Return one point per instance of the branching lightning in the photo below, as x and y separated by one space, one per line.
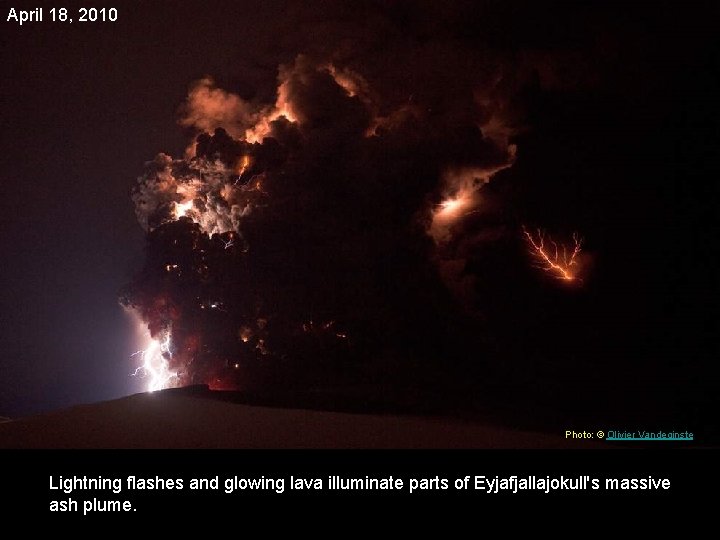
556 259
155 364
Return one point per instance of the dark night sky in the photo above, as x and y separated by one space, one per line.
618 150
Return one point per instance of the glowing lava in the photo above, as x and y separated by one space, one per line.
557 260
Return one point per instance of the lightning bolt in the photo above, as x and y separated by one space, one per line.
155 365
557 259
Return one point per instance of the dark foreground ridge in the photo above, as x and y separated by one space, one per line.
197 417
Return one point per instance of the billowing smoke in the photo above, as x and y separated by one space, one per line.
313 240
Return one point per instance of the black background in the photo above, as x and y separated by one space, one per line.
691 474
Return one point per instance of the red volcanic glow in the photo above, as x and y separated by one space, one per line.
452 207
556 259
450 211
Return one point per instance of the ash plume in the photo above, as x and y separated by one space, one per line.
310 237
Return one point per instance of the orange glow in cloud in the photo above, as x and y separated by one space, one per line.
262 129
554 258
182 209
454 206
449 211
208 107
242 165
282 108
350 81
